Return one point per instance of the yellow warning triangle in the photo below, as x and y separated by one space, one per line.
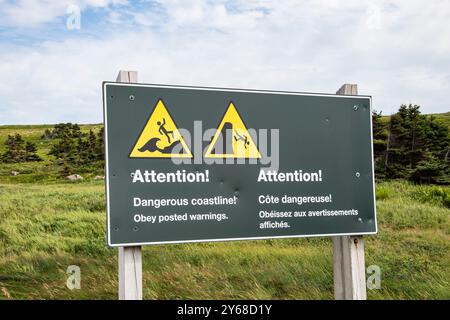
232 139
160 137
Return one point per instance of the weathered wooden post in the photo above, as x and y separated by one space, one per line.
130 258
348 252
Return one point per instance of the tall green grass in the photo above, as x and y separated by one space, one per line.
44 228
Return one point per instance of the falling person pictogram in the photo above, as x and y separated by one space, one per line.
242 138
162 130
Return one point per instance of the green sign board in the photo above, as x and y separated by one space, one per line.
188 164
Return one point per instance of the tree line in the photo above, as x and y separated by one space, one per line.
17 150
407 145
72 150
411 146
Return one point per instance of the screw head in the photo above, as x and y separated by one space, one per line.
131 98
355 107
357 174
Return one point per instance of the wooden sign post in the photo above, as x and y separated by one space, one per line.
130 258
348 252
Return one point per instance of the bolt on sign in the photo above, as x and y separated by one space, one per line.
188 164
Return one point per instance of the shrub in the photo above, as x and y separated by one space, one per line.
435 195
382 193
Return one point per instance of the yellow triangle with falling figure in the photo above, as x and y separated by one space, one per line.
232 139
160 137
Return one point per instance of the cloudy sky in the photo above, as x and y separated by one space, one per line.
51 67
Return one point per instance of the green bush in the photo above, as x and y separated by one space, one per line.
432 194
446 201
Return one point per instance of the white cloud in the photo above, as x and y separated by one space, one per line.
32 13
291 45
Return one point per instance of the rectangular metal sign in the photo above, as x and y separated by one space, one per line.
188 164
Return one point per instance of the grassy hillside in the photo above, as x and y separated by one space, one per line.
32 172
47 224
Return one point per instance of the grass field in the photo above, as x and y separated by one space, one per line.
47 224
44 229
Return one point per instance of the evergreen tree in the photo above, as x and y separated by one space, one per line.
431 170
379 133
75 131
417 147
65 149
405 141
15 149
438 137
63 129
66 170
78 150
100 149
83 155
92 146
30 152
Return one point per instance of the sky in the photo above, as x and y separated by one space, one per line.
54 55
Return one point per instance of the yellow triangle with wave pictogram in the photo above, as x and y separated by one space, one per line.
160 137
